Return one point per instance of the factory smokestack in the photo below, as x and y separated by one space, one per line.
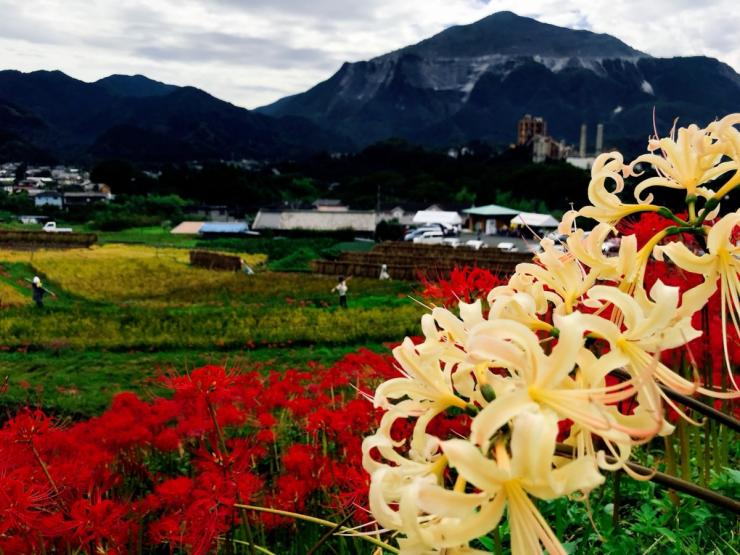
582 146
599 138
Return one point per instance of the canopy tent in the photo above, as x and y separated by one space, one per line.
437 217
532 219
491 210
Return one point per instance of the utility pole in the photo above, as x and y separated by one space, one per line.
377 213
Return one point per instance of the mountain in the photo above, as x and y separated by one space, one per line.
476 81
134 86
52 115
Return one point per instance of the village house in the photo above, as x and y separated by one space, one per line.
48 198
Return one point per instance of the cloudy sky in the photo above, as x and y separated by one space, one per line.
252 52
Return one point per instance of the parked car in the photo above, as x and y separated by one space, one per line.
475 244
507 247
418 232
447 231
51 227
435 237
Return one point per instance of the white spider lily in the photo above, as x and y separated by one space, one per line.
522 283
520 307
686 163
541 380
728 143
647 328
423 379
722 263
589 251
606 205
506 480
561 273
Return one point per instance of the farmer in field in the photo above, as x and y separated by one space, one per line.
246 268
39 291
384 272
341 288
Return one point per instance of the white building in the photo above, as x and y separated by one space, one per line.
315 220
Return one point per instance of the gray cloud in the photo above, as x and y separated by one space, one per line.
342 10
251 52
225 48
18 24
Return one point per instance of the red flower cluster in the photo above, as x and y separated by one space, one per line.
645 225
465 284
171 470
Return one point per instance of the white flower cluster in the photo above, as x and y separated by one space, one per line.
541 354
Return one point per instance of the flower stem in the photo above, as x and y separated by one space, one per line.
329 533
692 403
253 546
43 466
668 481
617 500
320 521
670 465
225 453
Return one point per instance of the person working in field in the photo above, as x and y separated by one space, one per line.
384 272
341 288
39 291
246 268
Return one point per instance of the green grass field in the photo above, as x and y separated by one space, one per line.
124 314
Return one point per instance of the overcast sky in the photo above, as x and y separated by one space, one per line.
252 52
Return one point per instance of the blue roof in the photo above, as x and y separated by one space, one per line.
224 227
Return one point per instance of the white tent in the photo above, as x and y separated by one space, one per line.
437 217
532 219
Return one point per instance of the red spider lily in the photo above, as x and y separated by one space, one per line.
102 524
647 224
249 452
27 425
465 284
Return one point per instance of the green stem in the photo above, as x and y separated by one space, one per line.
227 470
685 450
320 521
670 466
717 449
710 205
692 403
666 213
692 208
329 533
254 546
497 548
707 452
672 482
698 451
617 501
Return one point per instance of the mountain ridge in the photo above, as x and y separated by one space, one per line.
473 82
467 83
142 119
